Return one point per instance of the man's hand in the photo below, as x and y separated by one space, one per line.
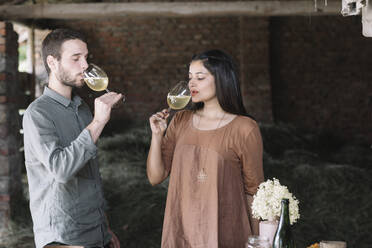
114 242
102 111
103 106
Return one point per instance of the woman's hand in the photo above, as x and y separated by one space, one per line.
156 172
114 242
158 122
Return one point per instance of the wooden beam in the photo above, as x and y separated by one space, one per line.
171 9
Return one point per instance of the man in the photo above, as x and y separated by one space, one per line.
66 199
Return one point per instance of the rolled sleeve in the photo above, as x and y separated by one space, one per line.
87 140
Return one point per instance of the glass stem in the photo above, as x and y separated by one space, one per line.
123 99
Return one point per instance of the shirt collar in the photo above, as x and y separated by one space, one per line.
76 100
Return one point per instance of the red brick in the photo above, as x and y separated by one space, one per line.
4 152
2 31
4 208
4 198
14 99
2 48
3 99
3 131
2 76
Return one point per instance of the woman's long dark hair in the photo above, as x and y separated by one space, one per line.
224 71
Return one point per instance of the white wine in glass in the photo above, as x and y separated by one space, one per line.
179 96
96 78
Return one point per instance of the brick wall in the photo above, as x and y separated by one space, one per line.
321 75
145 57
10 159
299 65
255 67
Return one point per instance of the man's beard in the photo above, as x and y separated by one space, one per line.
67 79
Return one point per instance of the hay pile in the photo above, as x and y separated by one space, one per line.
330 178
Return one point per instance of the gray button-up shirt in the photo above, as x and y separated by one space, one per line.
66 198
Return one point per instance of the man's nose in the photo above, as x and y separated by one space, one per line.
84 64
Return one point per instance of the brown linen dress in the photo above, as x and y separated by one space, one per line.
212 211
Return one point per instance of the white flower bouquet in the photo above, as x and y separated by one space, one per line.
267 201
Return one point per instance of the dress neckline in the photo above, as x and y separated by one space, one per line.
210 130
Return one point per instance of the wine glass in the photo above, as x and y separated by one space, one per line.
255 241
179 96
96 78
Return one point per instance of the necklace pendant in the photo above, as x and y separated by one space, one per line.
202 176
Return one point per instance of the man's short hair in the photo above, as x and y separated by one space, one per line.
53 41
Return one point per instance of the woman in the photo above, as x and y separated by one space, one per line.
213 154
